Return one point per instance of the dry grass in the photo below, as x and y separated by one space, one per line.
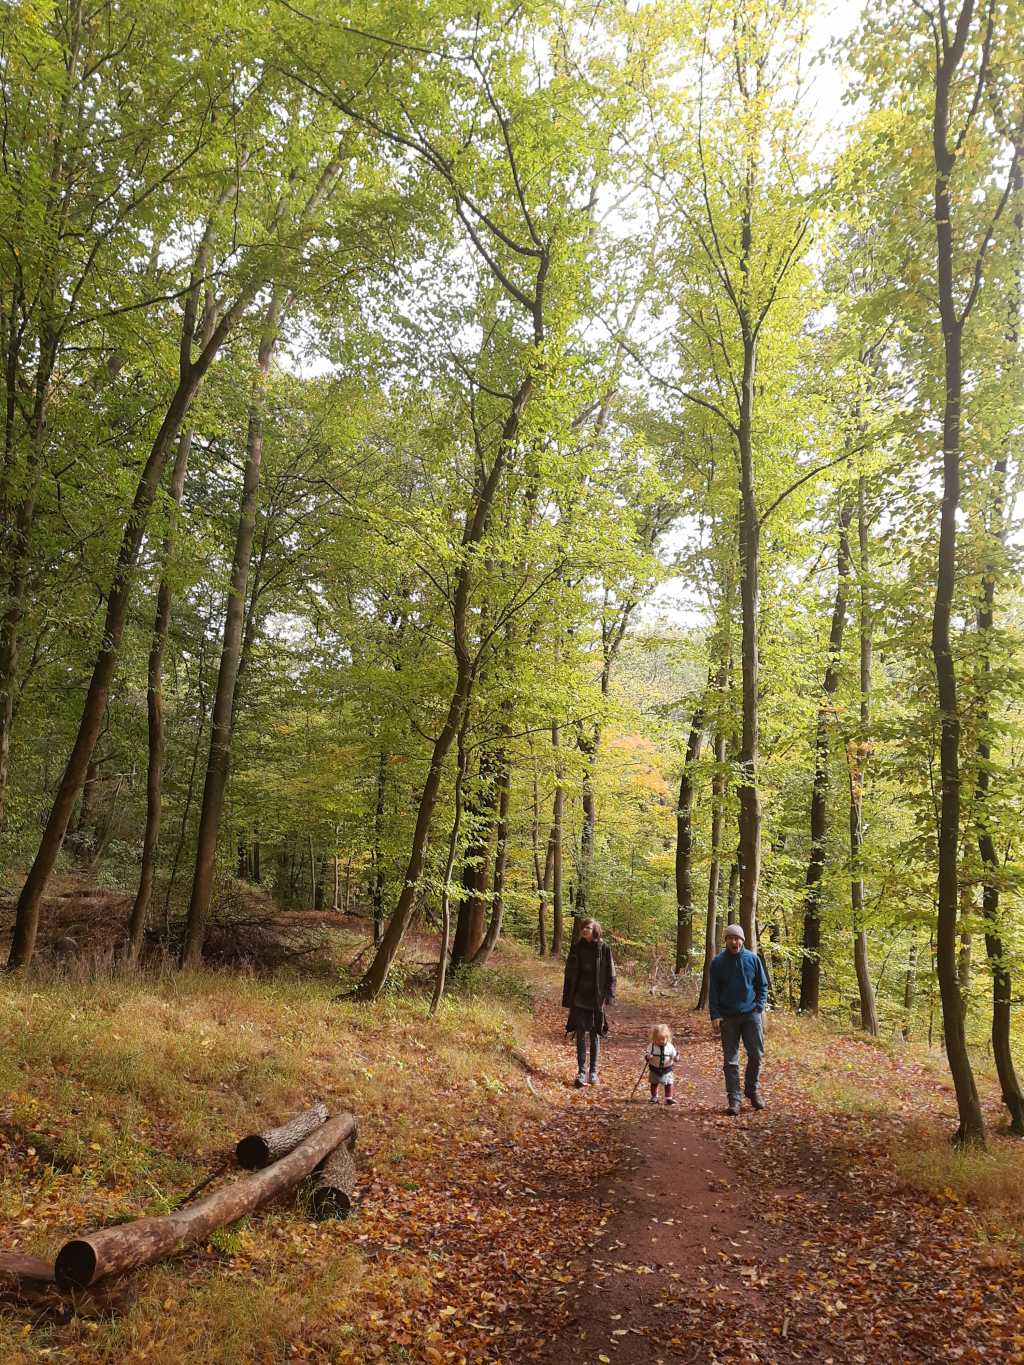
123 1092
988 1183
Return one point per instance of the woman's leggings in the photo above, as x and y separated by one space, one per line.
581 1049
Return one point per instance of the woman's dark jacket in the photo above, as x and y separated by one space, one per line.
589 984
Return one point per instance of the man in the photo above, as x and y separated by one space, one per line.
737 996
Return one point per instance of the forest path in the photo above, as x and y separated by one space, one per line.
778 1236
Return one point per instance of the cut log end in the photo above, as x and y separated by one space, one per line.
252 1153
258 1150
330 1203
75 1266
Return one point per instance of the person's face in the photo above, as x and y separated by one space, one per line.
733 943
587 931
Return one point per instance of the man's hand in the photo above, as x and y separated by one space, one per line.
716 1024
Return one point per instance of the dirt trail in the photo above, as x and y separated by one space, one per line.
675 1211
759 1238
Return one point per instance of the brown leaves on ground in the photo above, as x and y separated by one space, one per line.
503 1216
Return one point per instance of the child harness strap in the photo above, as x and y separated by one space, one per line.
663 1064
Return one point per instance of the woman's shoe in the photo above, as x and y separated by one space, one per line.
594 1078
580 1081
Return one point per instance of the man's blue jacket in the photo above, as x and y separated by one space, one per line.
739 984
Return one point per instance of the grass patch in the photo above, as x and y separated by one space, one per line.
989 1182
122 1092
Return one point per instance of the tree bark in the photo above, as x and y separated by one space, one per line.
858 768
1002 986
377 893
749 854
446 885
494 923
684 844
557 820
129 1246
334 1185
971 1126
155 715
260 1149
482 813
810 966
715 875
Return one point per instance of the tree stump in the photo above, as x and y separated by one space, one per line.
260 1149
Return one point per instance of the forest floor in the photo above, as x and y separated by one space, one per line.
821 1229
502 1216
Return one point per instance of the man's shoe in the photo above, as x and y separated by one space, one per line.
756 1099
580 1081
594 1078
733 1108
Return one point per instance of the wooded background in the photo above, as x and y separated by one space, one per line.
367 370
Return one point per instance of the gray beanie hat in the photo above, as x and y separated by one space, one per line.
735 931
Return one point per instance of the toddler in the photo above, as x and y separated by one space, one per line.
661 1056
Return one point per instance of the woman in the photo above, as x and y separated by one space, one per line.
589 985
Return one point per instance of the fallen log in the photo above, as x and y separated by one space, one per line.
17 1270
334 1184
129 1246
260 1149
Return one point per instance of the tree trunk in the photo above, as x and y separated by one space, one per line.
557 816
732 895
193 767
497 915
963 962
749 856
155 714
971 1127
219 759
810 967
84 816
715 875
909 989
542 880
446 885
377 894
1002 1050
130 1246
482 813
684 844
858 769
588 743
